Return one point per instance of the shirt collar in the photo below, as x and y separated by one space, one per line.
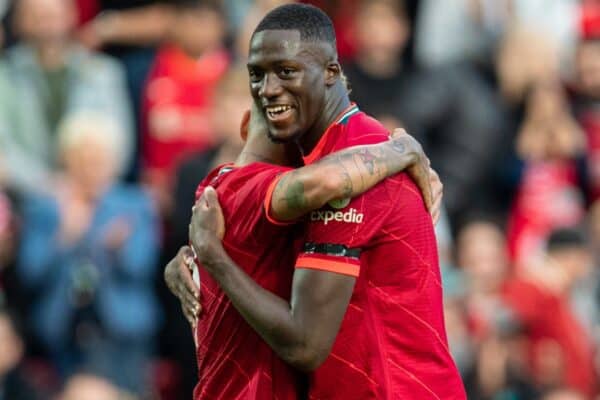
342 119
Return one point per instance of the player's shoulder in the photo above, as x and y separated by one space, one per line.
401 186
231 177
209 180
364 129
250 173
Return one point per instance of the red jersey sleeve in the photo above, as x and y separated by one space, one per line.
243 193
336 234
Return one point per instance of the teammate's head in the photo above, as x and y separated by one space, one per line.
293 68
231 101
258 146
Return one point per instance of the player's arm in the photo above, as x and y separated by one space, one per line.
347 174
300 331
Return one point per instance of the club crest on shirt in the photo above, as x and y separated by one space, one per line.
339 203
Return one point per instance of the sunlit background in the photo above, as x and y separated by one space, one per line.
112 111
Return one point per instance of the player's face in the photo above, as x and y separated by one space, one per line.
287 81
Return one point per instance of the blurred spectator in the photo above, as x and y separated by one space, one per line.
7 226
177 100
91 387
381 32
586 90
579 275
46 78
498 369
525 58
88 256
12 293
561 351
451 111
563 394
14 384
459 30
124 22
551 148
594 227
482 256
129 30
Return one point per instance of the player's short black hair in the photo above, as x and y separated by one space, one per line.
566 238
312 23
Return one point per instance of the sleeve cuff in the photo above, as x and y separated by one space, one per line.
267 204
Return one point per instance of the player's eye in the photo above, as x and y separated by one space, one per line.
255 75
286 72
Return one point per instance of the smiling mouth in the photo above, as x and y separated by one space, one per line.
278 113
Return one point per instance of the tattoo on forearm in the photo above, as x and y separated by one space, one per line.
294 196
348 187
398 146
368 159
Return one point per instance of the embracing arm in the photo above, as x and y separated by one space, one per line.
300 331
346 174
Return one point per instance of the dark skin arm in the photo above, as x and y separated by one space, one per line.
349 173
301 331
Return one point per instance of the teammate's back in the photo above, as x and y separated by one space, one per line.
233 360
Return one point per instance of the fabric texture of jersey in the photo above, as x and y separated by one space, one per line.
392 343
234 363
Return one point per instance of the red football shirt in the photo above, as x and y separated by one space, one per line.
233 360
392 343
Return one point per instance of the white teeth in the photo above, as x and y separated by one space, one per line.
278 109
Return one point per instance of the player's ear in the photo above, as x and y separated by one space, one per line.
332 73
244 125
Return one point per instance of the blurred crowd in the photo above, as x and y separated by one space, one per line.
111 112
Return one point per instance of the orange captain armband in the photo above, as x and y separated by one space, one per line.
330 257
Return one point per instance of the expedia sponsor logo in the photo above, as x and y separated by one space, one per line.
351 216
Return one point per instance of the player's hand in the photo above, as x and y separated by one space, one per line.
419 168
425 177
207 227
437 188
207 213
178 277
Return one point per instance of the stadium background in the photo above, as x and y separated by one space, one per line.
112 111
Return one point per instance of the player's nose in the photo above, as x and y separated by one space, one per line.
270 87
